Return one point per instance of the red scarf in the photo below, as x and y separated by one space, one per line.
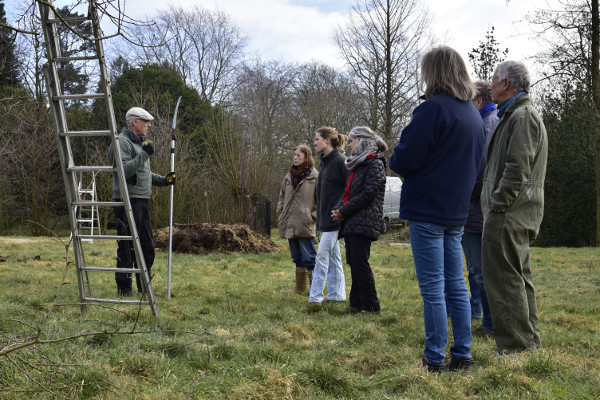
298 173
347 191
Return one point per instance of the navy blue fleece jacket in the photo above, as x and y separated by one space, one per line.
438 156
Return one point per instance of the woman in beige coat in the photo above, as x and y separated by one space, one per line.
296 212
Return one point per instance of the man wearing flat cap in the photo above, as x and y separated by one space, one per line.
135 154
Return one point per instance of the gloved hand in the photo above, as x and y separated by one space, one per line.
171 178
148 147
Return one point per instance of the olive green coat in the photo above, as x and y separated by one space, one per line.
512 201
297 209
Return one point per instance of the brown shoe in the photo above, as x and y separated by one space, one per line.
481 332
349 310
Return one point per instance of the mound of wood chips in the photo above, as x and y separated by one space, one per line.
214 238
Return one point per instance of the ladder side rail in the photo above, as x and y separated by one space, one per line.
141 263
57 107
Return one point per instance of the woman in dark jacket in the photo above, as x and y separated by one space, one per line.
438 155
361 214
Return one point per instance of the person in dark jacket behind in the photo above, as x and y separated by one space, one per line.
297 212
330 190
438 155
361 215
471 240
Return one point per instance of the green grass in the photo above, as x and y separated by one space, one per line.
234 329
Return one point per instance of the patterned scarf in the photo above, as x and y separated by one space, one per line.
299 173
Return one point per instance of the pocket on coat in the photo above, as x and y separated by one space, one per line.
493 224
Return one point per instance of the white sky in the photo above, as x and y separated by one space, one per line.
302 30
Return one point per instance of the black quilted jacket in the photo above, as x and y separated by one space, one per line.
363 213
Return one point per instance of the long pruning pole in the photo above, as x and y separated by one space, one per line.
173 139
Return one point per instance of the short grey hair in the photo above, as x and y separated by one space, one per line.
483 91
518 74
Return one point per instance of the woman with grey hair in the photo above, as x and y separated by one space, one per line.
361 215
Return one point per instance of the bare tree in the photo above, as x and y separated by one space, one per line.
323 96
382 44
248 147
204 47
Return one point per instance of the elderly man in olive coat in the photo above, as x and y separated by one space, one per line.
512 202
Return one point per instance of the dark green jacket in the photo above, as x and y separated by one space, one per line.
513 181
136 164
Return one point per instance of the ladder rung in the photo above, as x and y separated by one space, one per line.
134 302
84 168
85 220
78 96
107 269
98 203
86 133
76 58
107 237
67 19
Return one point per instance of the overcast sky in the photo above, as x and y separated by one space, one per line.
302 30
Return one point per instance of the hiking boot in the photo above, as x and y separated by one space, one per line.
436 368
457 364
349 310
125 292
301 280
481 332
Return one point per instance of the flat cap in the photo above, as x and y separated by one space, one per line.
138 113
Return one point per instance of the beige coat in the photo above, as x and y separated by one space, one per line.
297 209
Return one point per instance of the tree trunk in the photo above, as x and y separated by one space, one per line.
596 95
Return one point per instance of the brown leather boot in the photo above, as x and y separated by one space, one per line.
301 280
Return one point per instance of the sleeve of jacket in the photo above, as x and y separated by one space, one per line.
281 197
375 177
344 173
411 151
313 212
158 180
520 155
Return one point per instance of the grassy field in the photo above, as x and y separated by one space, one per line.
233 329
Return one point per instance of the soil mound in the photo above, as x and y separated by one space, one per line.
214 238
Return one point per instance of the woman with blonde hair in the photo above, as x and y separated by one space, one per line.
330 190
297 211
438 156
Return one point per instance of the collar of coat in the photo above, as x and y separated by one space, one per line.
507 103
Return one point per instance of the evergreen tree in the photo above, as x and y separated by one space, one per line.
9 71
487 56
72 74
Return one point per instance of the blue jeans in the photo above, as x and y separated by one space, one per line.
328 267
438 261
471 243
303 252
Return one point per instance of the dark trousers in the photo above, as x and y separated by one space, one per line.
125 251
362 293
